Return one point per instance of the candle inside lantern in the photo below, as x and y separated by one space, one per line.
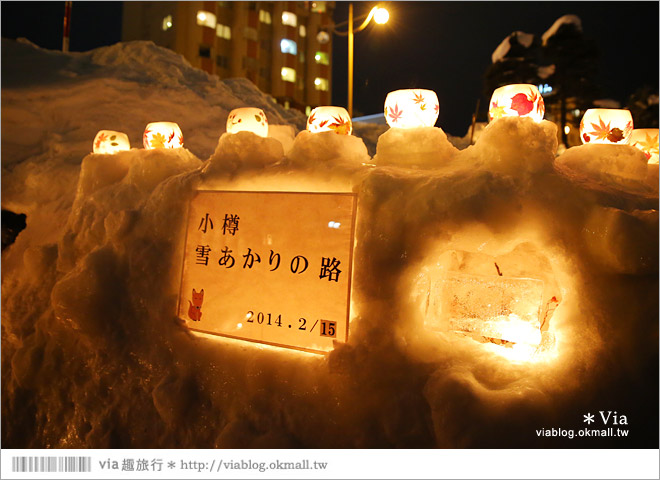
606 126
646 139
517 100
248 119
330 119
109 141
162 135
411 108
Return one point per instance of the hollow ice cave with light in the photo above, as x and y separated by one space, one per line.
497 289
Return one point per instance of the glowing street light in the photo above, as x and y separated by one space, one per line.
378 15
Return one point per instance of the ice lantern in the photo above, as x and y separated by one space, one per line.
411 108
606 125
109 141
162 135
646 139
517 100
330 119
248 119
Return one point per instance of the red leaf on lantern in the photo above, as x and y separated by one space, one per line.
586 137
323 123
312 118
145 136
522 104
171 137
436 108
395 113
100 139
181 139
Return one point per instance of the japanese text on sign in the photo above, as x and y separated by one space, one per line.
271 267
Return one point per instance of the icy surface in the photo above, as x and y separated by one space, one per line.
94 356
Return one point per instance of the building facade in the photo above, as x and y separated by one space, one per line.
274 44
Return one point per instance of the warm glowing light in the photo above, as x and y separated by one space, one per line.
567 129
381 15
330 119
517 100
646 139
162 135
108 141
248 119
606 125
411 108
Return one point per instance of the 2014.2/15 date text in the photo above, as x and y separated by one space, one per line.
327 328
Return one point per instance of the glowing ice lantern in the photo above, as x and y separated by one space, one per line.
330 119
162 135
411 108
517 100
108 141
606 125
248 119
646 139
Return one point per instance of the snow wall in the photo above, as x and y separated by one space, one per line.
93 354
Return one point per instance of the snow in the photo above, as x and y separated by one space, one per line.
94 356
524 39
561 21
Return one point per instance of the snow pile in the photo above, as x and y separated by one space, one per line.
522 38
573 20
94 356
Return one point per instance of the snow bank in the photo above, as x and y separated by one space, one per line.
94 356
524 39
573 20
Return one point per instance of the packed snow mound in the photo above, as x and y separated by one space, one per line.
573 20
524 39
93 354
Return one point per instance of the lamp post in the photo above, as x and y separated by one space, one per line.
377 14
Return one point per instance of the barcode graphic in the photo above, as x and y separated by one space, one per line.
51 464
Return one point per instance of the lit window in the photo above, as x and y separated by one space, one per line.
223 31
318 7
288 74
321 84
167 22
290 19
264 17
302 30
288 46
322 58
206 19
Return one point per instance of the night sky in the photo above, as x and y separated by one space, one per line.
443 46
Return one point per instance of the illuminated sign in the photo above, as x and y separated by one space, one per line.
270 267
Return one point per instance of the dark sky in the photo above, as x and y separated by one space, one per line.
443 46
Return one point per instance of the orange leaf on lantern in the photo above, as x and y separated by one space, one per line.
600 130
311 118
649 145
157 141
418 98
340 126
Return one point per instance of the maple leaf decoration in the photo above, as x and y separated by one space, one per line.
602 131
181 139
649 146
100 139
145 137
495 111
340 126
395 113
157 141
436 108
523 104
418 98
171 137
311 119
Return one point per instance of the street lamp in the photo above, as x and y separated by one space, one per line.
378 15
